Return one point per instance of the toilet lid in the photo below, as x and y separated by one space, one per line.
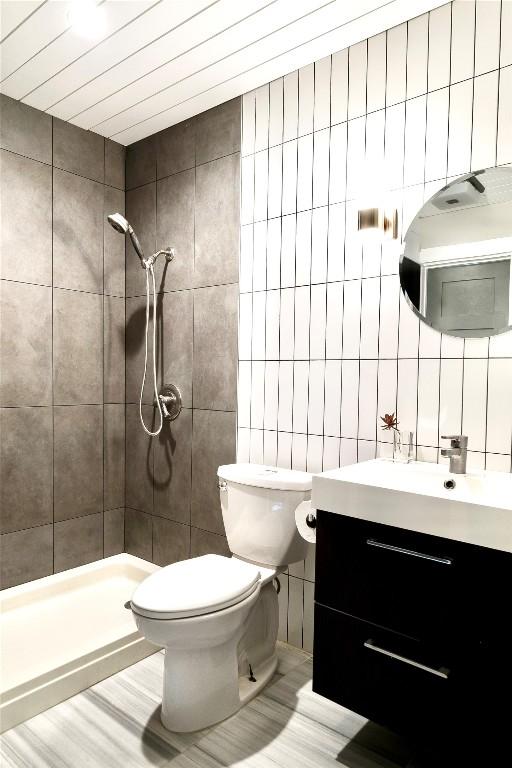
195 587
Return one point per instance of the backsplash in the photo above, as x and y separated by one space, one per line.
326 341
63 370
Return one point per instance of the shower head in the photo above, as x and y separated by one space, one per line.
120 224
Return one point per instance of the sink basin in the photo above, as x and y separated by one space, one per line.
478 510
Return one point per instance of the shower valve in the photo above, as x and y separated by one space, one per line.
170 401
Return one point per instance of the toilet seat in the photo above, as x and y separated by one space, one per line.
195 587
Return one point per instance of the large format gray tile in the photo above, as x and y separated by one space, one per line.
26 335
175 228
78 541
174 345
77 347
213 444
175 148
141 213
26 555
173 466
140 163
115 159
215 347
139 458
174 342
206 543
26 466
77 232
25 130
171 541
138 533
114 245
26 221
78 151
218 131
114 350
78 460
113 532
114 456
217 221
135 339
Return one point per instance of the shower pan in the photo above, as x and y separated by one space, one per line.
168 402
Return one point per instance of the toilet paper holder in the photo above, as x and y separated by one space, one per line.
306 521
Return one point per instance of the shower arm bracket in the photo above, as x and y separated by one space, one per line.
169 254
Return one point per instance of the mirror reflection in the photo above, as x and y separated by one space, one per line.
455 269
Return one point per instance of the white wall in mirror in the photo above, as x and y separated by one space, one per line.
327 343
456 264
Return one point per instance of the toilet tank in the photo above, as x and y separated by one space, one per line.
258 508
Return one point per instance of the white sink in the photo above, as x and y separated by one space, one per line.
478 510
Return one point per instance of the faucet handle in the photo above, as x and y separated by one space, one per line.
457 441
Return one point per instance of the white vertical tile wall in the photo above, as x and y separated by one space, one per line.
327 342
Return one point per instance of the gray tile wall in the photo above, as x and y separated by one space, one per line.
62 385
183 191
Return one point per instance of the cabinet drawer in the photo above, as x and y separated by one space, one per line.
419 585
398 682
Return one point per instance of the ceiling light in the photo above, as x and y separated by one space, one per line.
87 19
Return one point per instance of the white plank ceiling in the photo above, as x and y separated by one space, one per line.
157 62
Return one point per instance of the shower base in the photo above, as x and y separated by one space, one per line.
63 633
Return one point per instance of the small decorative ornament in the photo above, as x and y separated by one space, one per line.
402 440
390 421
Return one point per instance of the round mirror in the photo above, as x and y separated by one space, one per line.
456 266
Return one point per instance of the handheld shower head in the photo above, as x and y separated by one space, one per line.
123 226
118 222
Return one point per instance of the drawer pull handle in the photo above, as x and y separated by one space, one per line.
441 672
411 552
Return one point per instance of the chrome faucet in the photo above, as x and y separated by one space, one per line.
457 453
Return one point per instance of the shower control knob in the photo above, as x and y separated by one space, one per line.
170 401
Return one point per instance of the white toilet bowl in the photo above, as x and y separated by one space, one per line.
217 617
199 611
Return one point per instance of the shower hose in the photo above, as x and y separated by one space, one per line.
149 270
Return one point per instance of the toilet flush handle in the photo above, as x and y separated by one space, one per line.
222 485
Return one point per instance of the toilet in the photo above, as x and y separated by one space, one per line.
217 617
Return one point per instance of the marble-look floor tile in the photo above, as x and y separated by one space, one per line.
268 733
295 692
290 657
195 758
116 723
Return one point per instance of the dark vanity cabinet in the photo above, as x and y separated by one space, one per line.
415 632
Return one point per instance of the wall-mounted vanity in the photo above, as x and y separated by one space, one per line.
413 606
413 618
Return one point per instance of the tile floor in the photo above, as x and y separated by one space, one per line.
115 724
